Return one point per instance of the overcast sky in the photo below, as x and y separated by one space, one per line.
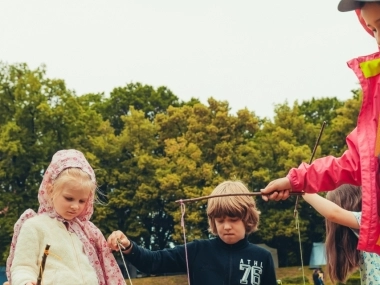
251 53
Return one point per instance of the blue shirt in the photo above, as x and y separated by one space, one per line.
369 262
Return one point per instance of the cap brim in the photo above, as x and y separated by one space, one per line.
348 5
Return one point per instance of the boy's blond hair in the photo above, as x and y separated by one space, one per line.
242 207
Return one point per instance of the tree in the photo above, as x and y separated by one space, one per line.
343 124
38 117
149 150
317 111
141 97
201 150
134 201
279 146
26 97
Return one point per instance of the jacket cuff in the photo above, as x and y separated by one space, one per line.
293 179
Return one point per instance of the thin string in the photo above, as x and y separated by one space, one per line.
47 252
299 239
296 216
122 257
184 238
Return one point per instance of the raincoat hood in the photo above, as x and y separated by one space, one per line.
361 20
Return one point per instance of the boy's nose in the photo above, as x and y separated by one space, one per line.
227 226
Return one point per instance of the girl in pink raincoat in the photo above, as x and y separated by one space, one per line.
78 251
359 165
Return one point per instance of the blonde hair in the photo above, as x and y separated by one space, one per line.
242 207
76 178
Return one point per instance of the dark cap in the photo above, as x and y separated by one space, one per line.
351 5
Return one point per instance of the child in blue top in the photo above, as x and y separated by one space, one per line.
342 210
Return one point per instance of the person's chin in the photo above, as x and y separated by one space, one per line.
69 216
229 239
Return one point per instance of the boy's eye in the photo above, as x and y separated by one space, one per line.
234 220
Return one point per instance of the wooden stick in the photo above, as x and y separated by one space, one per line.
231 194
311 159
42 267
259 193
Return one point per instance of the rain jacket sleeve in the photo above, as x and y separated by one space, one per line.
327 173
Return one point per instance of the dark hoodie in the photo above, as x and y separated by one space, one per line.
210 262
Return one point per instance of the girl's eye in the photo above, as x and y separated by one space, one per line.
68 199
82 202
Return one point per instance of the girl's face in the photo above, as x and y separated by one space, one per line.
70 202
371 15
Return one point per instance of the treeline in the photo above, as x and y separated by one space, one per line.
149 149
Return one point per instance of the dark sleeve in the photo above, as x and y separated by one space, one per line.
269 276
161 261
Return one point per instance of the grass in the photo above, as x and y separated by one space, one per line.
161 280
182 279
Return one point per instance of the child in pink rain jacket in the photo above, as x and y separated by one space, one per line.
359 165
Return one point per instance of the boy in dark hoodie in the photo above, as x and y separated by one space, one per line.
227 259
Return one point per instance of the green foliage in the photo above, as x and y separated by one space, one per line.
142 97
148 150
317 111
26 97
343 124
352 281
201 146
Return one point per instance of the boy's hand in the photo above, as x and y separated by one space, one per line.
115 237
278 189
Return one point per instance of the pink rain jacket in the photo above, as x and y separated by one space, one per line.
358 165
